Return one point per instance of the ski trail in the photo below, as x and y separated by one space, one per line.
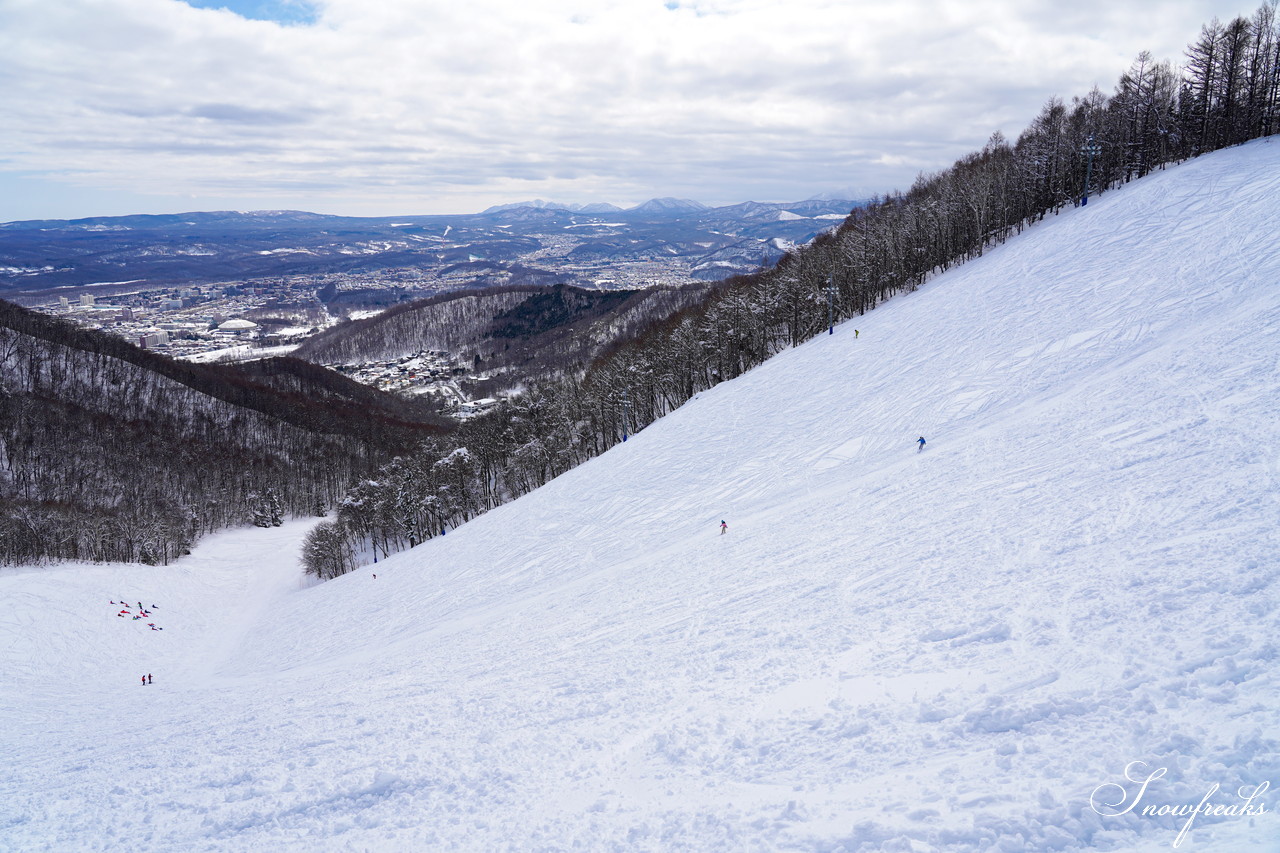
259 572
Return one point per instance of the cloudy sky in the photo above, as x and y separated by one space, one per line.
381 107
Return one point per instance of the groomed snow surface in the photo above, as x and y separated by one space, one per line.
952 650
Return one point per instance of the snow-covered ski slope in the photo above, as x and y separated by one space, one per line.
951 650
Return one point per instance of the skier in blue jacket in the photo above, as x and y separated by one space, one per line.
921 440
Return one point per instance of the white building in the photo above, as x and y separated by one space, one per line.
237 325
150 340
475 407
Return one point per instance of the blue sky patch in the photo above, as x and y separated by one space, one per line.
280 11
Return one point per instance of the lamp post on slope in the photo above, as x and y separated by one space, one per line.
1090 149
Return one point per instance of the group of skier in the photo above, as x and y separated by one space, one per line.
143 613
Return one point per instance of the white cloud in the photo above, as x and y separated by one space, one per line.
411 106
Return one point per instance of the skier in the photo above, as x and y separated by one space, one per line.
148 678
855 334
144 680
724 528
921 441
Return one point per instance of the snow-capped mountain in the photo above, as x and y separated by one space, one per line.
668 206
537 203
988 644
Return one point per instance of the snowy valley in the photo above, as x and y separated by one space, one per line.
959 649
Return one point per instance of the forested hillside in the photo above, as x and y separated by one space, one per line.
114 453
1227 93
515 334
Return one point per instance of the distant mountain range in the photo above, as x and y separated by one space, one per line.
598 207
545 240
677 208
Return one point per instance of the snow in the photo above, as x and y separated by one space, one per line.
291 331
951 650
240 352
